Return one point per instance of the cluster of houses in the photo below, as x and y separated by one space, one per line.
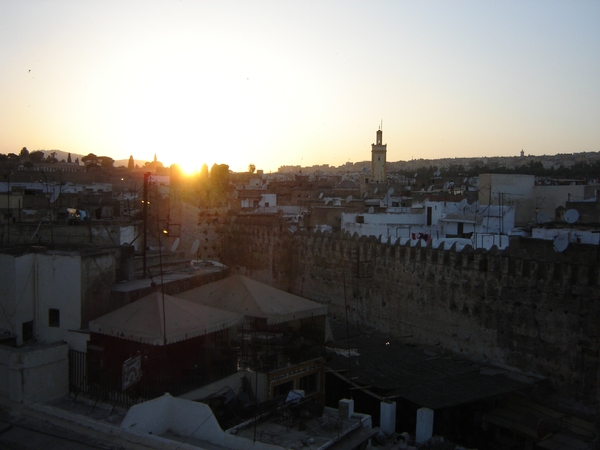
185 343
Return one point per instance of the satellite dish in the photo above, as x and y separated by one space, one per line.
430 188
365 195
571 216
462 203
542 218
54 196
348 199
437 173
465 180
175 244
371 210
561 242
327 200
375 191
415 175
390 191
195 246
321 195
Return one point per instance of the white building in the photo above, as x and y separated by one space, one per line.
436 222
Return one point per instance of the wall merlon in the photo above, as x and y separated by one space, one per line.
526 306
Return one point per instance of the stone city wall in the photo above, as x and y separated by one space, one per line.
527 307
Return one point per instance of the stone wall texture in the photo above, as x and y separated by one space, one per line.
528 307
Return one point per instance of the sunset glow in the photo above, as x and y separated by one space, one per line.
299 83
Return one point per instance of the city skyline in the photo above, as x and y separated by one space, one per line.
283 83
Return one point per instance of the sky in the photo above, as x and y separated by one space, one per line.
303 82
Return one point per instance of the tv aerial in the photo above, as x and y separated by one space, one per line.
542 217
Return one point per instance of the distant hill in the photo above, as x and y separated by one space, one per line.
64 155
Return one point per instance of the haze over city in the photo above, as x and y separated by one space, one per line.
299 83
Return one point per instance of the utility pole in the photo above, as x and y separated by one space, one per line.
145 217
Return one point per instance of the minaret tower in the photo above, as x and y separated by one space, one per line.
378 154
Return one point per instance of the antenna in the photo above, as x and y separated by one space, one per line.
175 245
561 242
571 216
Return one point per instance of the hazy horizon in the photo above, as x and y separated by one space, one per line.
299 83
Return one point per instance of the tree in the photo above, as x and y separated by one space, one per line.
204 172
24 152
69 158
51 158
36 156
106 161
131 163
90 159
251 168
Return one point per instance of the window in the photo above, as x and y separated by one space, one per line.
27 330
54 317
282 389
309 383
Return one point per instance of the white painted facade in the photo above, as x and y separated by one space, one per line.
44 289
574 235
530 201
437 222
34 373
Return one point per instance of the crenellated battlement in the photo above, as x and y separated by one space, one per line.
526 306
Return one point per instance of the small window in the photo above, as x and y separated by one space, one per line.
27 330
54 317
